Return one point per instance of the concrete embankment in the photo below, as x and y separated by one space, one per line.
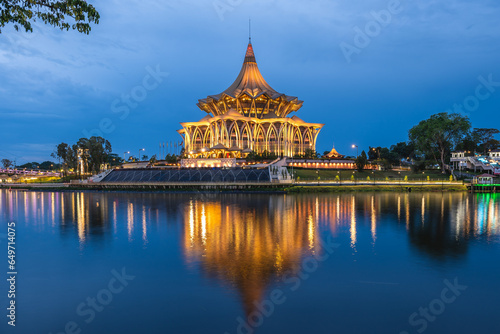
302 187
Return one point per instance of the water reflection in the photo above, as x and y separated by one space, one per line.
248 241
249 245
295 218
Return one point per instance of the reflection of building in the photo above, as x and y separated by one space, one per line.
249 116
247 246
243 242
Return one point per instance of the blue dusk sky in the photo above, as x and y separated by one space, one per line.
369 70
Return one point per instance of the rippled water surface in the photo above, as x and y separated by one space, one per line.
243 263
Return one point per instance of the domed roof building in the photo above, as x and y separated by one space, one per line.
249 116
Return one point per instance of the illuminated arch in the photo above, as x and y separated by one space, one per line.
260 139
272 139
234 135
246 137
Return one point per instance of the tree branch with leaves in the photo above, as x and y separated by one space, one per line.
64 14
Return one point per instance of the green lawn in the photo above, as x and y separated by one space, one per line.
325 175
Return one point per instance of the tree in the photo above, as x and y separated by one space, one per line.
30 165
311 154
94 152
389 158
61 153
266 155
72 157
485 139
468 144
361 161
438 135
6 163
403 151
480 140
114 159
48 165
171 158
63 14
374 153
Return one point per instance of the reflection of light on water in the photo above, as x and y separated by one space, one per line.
317 208
407 211
442 208
62 210
423 211
53 208
80 214
460 218
353 223
373 220
42 205
338 209
492 217
480 218
467 216
115 218
26 206
203 224
248 243
399 208
130 220
248 247
73 195
279 260
310 231
191 223
144 228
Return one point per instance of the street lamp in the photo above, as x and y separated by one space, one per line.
139 157
124 155
357 150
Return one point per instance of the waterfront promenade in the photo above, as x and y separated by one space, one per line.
250 186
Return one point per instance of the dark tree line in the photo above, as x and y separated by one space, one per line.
432 140
93 153
435 138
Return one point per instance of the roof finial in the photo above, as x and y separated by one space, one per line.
250 31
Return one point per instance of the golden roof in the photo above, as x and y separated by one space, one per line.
251 95
334 154
250 81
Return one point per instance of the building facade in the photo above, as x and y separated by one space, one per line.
249 116
490 163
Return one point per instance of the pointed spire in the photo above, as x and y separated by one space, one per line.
250 56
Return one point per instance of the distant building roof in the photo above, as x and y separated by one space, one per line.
218 147
334 154
486 176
